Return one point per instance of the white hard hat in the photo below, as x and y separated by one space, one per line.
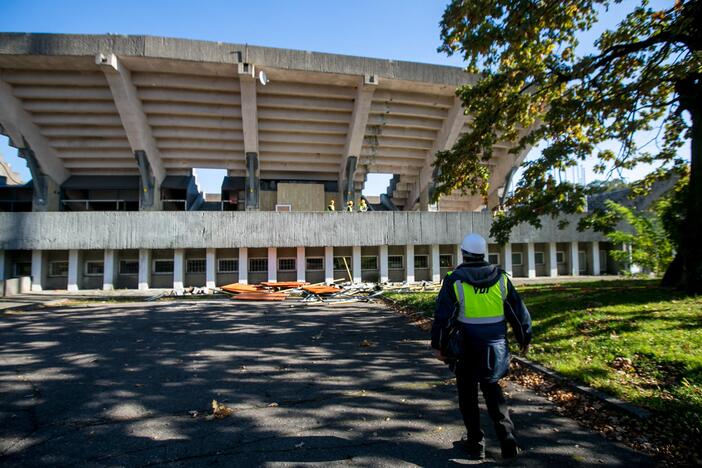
474 244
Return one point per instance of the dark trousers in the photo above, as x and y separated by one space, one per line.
467 383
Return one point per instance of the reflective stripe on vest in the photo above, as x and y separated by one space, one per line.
481 305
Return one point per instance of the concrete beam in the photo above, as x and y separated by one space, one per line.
435 264
210 268
209 229
249 107
328 264
445 139
109 268
574 259
356 263
507 262
300 263
531 260
409 267
131 113
73 269
144 268
595 252
178 270
38 271
357 126
243 265
552 260
384 276
272 264
18 125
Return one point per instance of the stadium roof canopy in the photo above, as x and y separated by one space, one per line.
85 103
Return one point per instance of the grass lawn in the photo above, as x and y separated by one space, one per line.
630 338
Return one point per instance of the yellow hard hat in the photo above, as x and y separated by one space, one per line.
350 202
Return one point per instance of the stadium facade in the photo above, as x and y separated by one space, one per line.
112 127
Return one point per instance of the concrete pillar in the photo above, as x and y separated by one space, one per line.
74 270
328 265
300 263
178 269
507 262
531 261
574 260
356 263
37 270
435 264
595 252
210 268
144 268
108 270
409 267
459 256
552 260
243 265
2 265
272 264
384 276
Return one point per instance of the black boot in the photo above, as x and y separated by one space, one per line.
475 450
509 447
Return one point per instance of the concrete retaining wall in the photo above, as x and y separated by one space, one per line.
168 230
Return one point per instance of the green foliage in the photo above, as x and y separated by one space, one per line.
587 330
607 185
529 86
651 248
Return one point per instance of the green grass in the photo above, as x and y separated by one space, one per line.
630 338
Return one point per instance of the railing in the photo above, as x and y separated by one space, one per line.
120 205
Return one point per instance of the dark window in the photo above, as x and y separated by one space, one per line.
286 264
258 265
369 263
315 263
395 262
94 268
446 261
339 263
163 266
58 269
421 261
196 265
228 265
128 267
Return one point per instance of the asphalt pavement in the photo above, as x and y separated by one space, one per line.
131 384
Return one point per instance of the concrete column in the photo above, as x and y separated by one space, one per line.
507 262
2 265
384 276
595 258
37 270
328 264
144 268
574 260
272 264
73 269
552 263
178 269
435 264
356 263
531 261
243 265
210 268
108 270
459 256
409 259
300 263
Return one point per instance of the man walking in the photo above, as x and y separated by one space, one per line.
479 300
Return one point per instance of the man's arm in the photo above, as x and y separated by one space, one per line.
518 316
445 304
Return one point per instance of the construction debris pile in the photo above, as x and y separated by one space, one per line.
335 293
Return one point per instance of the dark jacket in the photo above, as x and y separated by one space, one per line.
485 346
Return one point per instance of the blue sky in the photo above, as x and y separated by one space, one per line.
391 29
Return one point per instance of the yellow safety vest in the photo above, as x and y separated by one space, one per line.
481 305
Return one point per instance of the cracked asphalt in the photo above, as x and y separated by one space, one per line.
132 385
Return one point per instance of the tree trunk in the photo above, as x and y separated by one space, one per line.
690 92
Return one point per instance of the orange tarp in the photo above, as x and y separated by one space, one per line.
283 284
321 289
239 288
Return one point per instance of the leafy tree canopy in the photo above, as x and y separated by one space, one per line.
532 87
